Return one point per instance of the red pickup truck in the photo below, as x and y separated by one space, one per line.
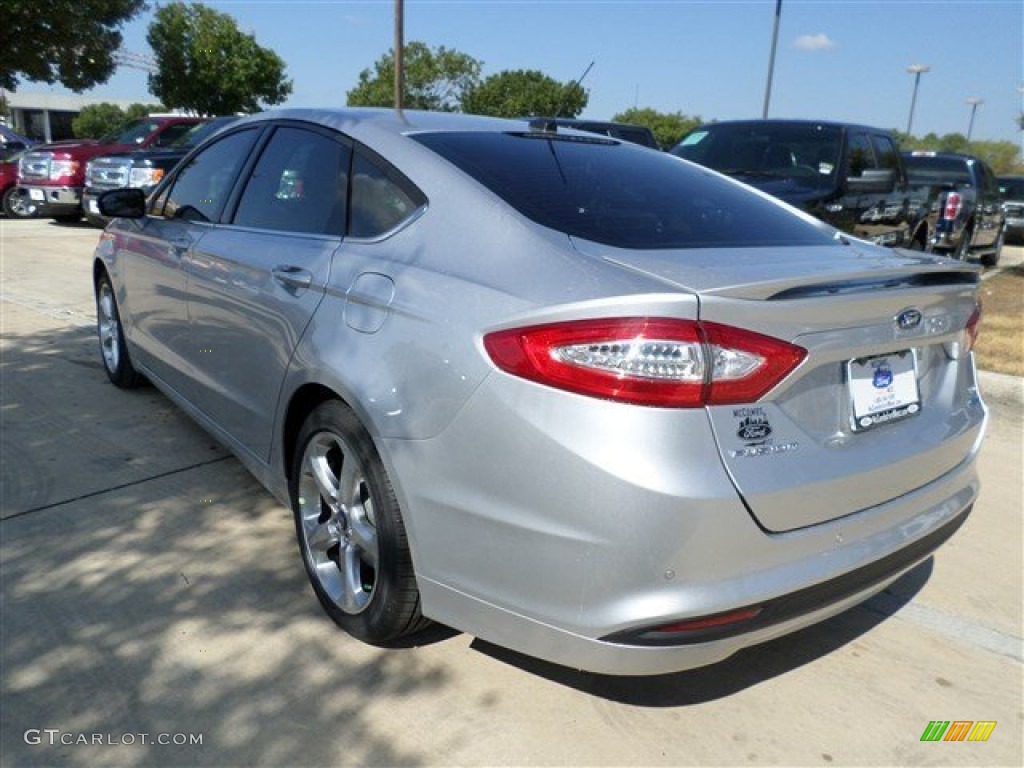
52 176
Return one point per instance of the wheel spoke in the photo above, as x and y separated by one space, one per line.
353 598
363 537
323 475
349 483
319 535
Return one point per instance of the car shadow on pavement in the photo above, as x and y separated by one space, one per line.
151 586
750 667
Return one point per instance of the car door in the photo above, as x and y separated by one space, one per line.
990 210
184 211
868 188
255 282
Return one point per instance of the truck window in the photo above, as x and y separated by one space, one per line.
860 156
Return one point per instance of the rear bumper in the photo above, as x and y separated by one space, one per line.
573 549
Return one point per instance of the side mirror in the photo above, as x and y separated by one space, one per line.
123 203
873 180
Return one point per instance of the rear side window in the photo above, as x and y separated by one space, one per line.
620 195
381 200
298 185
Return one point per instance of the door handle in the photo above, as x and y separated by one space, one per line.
293 278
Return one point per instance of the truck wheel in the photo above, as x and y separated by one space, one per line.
963 248
991 259
16 206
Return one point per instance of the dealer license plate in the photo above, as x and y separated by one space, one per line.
36 194
883 389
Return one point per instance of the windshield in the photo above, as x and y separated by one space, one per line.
619 194
1012 189
804 151
133 133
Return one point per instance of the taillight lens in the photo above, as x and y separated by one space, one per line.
973 328
953 203
647 361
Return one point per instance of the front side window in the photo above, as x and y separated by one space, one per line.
860 156
614 193
199 191
885 149
298 185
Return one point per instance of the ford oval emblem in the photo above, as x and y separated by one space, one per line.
908 318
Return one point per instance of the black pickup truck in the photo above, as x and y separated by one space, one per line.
969 216
850 176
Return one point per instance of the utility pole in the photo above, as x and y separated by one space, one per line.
771 59
916 70
399 56
974 101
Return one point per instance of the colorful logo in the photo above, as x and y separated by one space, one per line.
958 730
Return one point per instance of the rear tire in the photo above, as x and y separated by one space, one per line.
113 350
350 531
991 259
963 248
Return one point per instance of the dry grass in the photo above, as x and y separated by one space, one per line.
1000 345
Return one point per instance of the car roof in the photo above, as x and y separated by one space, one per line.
788 121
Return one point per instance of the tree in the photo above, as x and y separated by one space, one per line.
67 41
435 79
524 92
206 65
668 127
97 120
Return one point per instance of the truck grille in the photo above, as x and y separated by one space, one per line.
35 166
108 173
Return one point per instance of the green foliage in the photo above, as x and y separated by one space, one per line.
524 92
668 127
96 120
1002 156
67 41
435 79
205 64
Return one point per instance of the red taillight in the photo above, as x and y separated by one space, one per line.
953 203
973 327
709 622
647 361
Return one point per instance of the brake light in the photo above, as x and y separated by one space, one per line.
647 361
973 328
952 208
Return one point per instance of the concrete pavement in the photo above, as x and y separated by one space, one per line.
150 586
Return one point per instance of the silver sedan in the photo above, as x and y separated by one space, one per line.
577 397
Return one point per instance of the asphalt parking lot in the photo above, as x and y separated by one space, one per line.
153 598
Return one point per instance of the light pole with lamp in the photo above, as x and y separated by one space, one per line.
916 70
974 101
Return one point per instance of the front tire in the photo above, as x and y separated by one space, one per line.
350 531
113 350
17 206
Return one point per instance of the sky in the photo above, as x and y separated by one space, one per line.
836 59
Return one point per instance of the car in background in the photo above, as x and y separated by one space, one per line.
968 208
12 141
14 206
52 176
1011 189
577 398
142 168
849 176
636 134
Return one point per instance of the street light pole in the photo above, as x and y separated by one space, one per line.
974 101
399 55
771 59
916 70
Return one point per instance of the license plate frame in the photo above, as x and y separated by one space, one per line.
882 389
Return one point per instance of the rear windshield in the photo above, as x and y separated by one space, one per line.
620 195
932 170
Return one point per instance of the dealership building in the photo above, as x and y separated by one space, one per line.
47 116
